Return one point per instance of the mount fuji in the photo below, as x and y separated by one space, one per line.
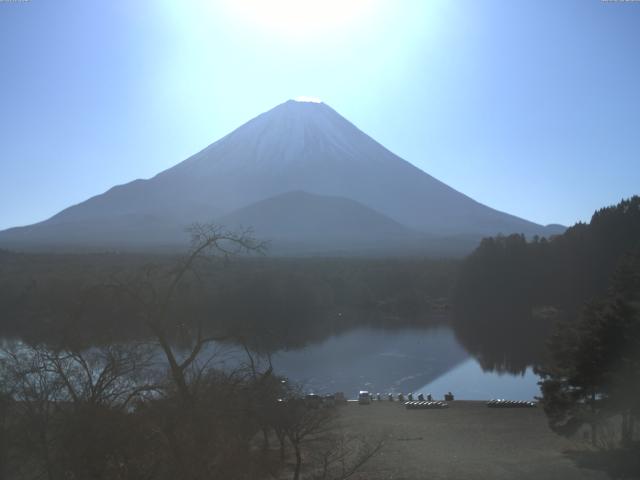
302 176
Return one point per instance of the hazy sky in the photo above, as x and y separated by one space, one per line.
531 107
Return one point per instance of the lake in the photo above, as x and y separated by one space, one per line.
399 361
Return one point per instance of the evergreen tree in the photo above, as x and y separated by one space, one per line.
593 373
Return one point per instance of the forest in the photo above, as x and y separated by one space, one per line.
293 301
511 291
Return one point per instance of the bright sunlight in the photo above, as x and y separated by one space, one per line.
301 18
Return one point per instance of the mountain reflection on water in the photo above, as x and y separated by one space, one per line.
402 360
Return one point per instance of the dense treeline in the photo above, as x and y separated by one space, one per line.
511 291
269 302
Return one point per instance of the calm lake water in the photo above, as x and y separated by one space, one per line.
405 360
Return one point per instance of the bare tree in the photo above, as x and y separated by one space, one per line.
109 376
302 424
36 396
156 292
61 398
156 289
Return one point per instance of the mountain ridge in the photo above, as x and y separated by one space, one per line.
294 147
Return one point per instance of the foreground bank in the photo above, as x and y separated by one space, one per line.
465 441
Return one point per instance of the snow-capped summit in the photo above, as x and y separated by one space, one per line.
307 99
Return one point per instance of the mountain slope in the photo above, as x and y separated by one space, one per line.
296 146
302 221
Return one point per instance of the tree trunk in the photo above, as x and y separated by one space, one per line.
176 372
44 439
281 440
296 473
627 428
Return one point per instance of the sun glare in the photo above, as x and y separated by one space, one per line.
301 17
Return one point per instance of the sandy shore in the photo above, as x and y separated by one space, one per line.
465 441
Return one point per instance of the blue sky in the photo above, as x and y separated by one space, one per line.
531 107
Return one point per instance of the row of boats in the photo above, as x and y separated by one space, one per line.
425 405
500 403
365 397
